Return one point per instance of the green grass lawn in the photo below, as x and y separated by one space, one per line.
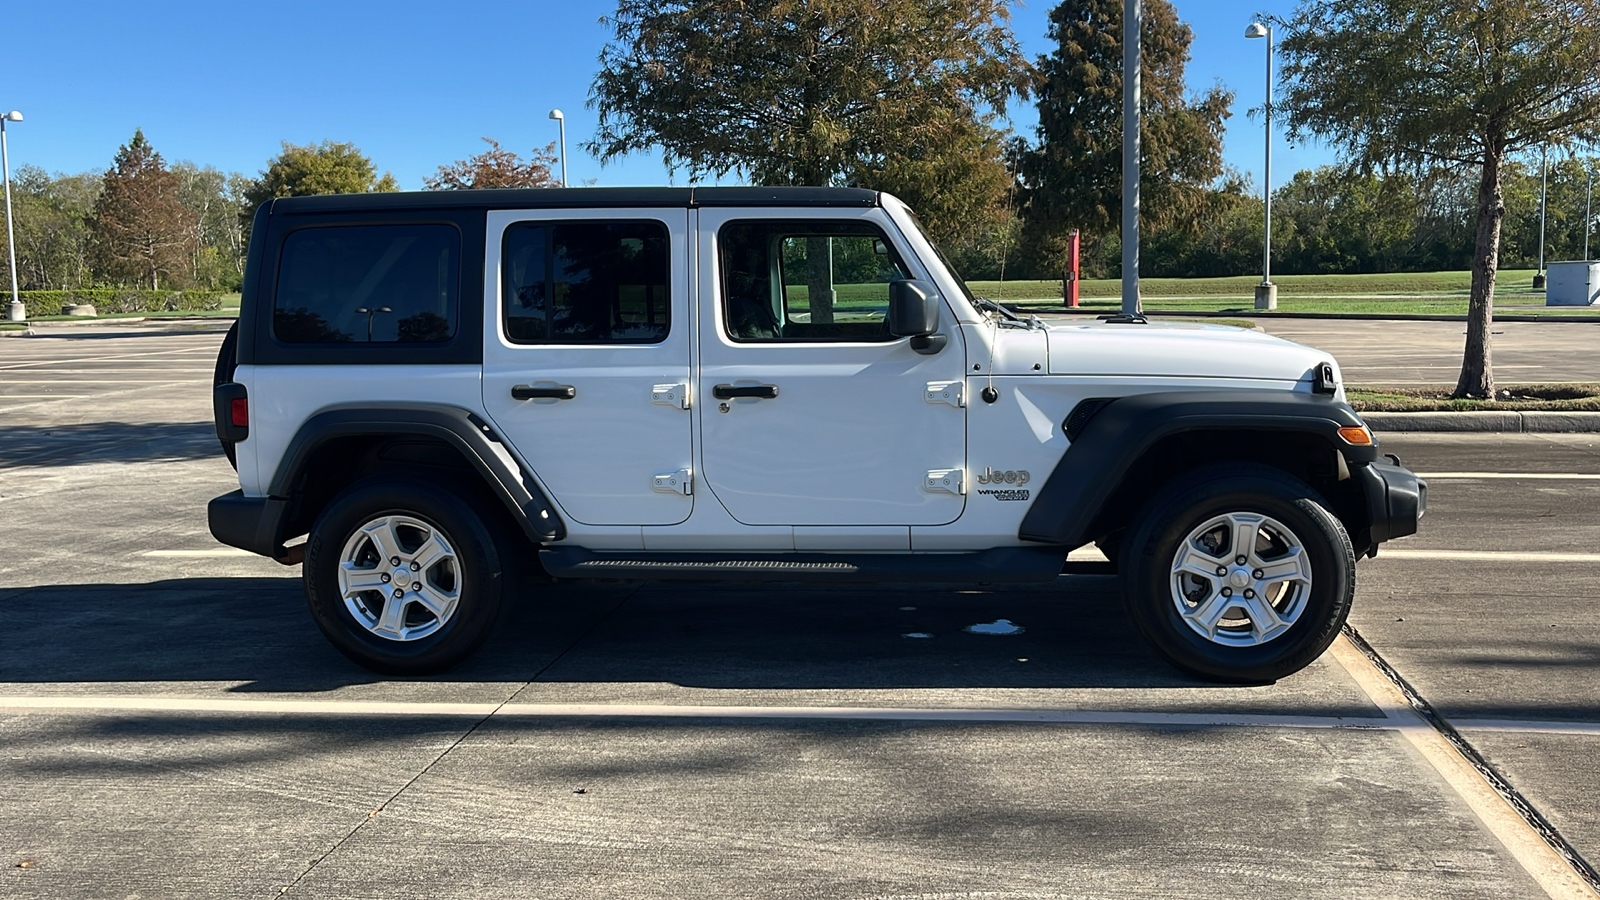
1526 398
1438 293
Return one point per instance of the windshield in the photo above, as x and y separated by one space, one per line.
960 282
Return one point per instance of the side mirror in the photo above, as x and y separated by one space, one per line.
913 308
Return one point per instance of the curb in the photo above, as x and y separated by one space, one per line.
1516 422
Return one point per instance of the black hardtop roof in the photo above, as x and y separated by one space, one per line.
581 198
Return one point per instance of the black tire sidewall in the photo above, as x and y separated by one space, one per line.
227 362
1147 564
482 583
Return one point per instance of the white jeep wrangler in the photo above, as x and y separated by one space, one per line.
754 384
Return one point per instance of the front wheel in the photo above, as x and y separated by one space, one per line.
402 576
1239 574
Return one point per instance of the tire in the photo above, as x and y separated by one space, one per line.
443 615
1222 621
227 361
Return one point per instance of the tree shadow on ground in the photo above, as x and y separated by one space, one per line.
98 442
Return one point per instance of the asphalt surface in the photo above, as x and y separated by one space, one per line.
172 724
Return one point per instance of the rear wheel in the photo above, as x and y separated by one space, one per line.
402 576
1239 574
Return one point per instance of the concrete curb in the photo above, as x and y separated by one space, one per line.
149 323
1528 422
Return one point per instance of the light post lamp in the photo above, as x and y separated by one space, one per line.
16 313
561 123
1266 291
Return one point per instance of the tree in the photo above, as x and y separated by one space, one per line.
497 168
1458 82
1072 177
213 225
52 224
893 94
139 221
326 168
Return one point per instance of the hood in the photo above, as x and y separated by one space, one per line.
1177 350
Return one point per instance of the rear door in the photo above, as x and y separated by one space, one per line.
586 357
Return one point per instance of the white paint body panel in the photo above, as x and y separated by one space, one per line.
282 398
1176 350
596 453
849 439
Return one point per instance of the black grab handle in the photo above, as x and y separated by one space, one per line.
529 392
759 391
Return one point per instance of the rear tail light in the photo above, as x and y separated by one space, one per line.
230 410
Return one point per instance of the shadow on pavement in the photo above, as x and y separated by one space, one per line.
257 630
95 442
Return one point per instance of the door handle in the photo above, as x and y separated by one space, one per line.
529 392
758 391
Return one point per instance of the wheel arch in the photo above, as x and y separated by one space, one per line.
338 446
1132 447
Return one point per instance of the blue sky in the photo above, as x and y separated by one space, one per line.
413 85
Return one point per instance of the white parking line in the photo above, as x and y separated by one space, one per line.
1538 476
1529 849
1591 729
669 711
82 359
1489 556
215 551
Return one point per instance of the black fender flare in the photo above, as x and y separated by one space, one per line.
1120 431
460 428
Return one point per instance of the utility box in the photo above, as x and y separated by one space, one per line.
1573 284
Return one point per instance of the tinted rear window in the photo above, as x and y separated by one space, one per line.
368 283
587 282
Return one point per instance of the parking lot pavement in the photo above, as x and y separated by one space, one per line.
171 723
1421 353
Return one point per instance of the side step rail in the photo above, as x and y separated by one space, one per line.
1003 564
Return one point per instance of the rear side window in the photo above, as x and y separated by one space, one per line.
368 284
587 282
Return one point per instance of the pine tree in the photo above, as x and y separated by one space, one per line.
139 220
1071 178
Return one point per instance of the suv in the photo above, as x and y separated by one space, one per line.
760 384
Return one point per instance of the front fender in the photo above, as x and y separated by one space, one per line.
1105 449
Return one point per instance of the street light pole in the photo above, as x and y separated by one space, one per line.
561 123
16 313
1588 211
1266 291
1544 196
1132 19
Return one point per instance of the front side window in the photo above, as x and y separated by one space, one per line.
368 284
807 281
587 282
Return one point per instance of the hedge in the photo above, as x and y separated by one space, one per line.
121 300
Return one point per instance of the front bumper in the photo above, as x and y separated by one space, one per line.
249 523
1396 501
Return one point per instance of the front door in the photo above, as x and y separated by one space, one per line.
811 413
586 357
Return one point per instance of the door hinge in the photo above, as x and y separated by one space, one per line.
951 392
679 482
948 481
676 395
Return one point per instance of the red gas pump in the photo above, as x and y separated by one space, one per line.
1069 283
